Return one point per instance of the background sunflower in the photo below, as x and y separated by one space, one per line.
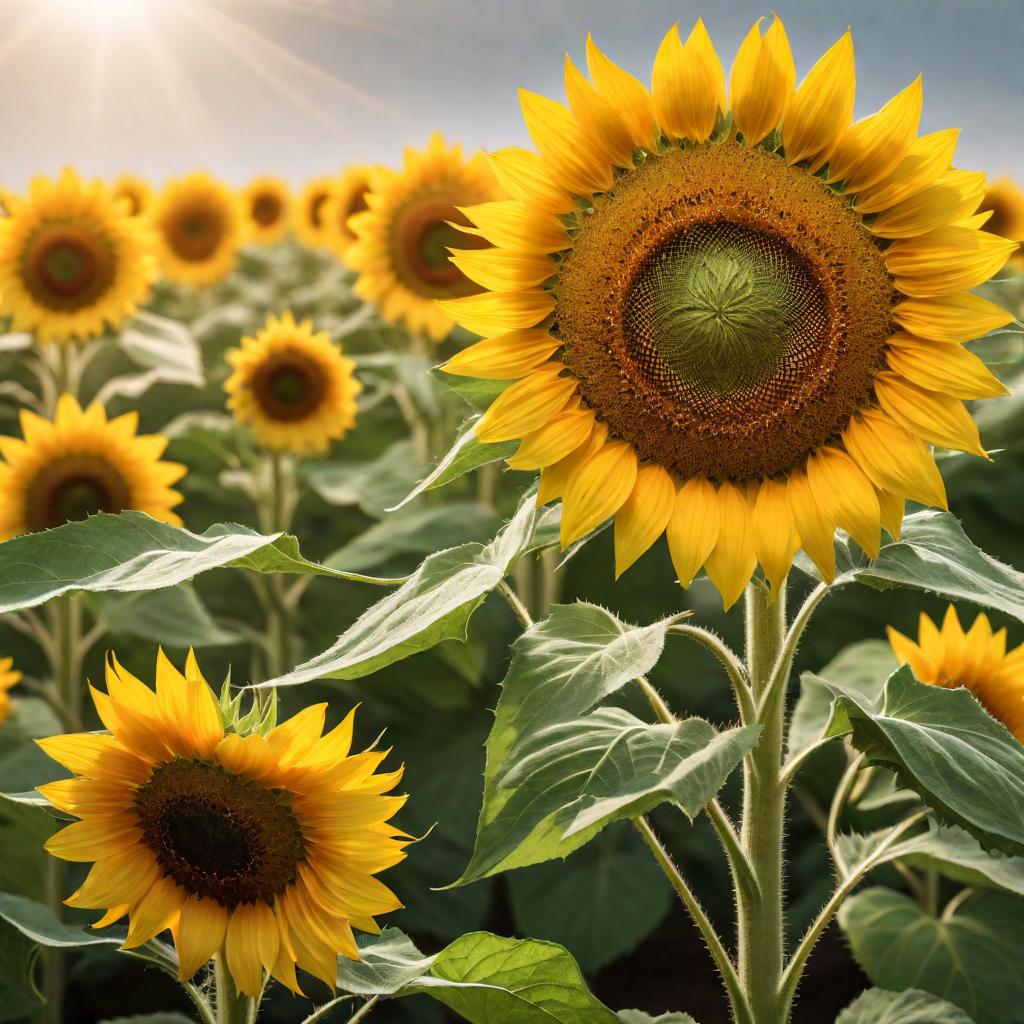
310 207
268 205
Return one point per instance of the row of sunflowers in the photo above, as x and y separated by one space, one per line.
784 341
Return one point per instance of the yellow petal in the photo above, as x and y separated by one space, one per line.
893 458
892 507
644 516
514 225
942 367
597 489
688 85
817 531
775 538
693 529
527 404
626 93
154 912
575 162
598 117
762 81
939 419
822 107
733 559
503 269
554 478
952 318
522 174
928 157
556 439
248 936
846 496
954 195
870 150
199 934
946 260
491 313
506 357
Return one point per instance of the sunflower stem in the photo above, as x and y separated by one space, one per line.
233 1007
760 912
53 957
280 503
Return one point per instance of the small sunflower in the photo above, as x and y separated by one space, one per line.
977 660
135 192
1005 199
268 208
737 328
200 227
310 207
348 196
8 678
262 848
80 464
294 388
403 239
72 261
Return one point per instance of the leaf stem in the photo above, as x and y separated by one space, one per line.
364 1009
839 798
734 668
321 1011
517 606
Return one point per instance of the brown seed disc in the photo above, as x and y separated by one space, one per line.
71 489
67 266
288 386
724 313
266 209
195 231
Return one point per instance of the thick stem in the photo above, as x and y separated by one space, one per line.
280 505
760 913
232 1006
52 956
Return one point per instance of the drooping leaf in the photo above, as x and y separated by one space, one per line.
174 617
371 486
971 959
879 1006
389 962
37 922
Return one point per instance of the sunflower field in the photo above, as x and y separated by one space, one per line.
578 584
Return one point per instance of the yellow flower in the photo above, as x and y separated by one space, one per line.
72 261
736 328
8 678
348 196
309 211
261 848
268 208
403 238
1006 202
293 387
135 192
200 227
977 660
80 464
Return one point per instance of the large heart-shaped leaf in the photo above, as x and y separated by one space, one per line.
971 959
941 743
879 1006
387 963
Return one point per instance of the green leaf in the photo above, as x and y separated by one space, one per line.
639 1017
943 745
37 922
372 486
486 978
174 617
879 1006
971 959
132 552
389 962
608 898
936 555
433 605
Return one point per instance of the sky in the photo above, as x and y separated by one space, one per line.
304 87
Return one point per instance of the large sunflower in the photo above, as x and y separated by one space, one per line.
1005 200
9 677
72 260
262 848
292 386
403 239
200 227
348 196
268 208
977 660
135 192
80 464
738 323
309 211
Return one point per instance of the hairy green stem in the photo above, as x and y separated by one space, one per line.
232 1006
734 668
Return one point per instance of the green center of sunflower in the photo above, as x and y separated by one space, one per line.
288 386
196 232
67 266
217 835
71 489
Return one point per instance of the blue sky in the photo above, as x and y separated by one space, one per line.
300 87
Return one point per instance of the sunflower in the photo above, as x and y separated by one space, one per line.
72 261
8 678
1005 200
268 208
403 239
309 211
740 329
80 464
977 660
293 387
348 196
262 848
135 192
200 227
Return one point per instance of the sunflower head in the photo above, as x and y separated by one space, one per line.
267 202
403 238
79 464
976 659
260 847
200 226
293 387
348 197
1004 201
735 329
310 209
135 193
73 262
8 677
